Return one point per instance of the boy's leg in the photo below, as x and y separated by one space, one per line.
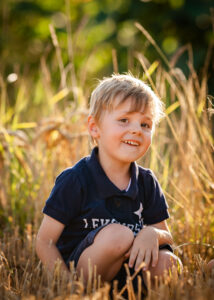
107 251
166 261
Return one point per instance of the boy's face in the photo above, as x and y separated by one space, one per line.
123 136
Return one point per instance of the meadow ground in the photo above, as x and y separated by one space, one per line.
38 141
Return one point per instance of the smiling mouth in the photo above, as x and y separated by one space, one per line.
132 143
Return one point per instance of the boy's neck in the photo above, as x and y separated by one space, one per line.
119 174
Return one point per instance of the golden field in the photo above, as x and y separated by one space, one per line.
40 135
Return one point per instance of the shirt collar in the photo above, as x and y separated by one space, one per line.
104 186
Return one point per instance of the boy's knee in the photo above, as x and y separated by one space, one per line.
117 238
168 260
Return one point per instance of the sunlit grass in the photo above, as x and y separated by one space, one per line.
41 136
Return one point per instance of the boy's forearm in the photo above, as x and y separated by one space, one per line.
164 236
49 255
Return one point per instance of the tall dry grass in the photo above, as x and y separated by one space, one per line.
33 152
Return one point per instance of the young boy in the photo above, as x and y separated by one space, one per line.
106 207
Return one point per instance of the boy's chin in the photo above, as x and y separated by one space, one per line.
130 158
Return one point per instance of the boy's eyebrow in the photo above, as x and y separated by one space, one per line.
129 112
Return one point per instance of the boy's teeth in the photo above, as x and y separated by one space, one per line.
131 143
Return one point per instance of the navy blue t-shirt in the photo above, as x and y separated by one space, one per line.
84 198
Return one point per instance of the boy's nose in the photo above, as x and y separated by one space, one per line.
135 129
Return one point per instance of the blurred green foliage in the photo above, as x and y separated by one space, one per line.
42 65
97 27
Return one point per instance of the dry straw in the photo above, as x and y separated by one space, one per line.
33 153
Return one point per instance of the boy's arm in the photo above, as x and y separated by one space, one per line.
164 235
146 244
49 233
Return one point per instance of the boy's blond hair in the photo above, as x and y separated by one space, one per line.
123 87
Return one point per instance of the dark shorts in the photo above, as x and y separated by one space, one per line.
121 275
85 243
88 240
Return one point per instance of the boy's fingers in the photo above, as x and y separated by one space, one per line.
139 260
147 260
154 257
132 258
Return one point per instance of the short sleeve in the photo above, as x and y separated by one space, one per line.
64 201
155 207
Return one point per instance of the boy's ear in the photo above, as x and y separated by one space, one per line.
93 127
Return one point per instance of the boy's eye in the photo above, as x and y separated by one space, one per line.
124 120
145 125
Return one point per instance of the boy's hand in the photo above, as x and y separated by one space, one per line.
145 248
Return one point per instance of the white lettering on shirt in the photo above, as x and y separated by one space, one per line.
104 221
94 223
114 221
131 226
86 223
